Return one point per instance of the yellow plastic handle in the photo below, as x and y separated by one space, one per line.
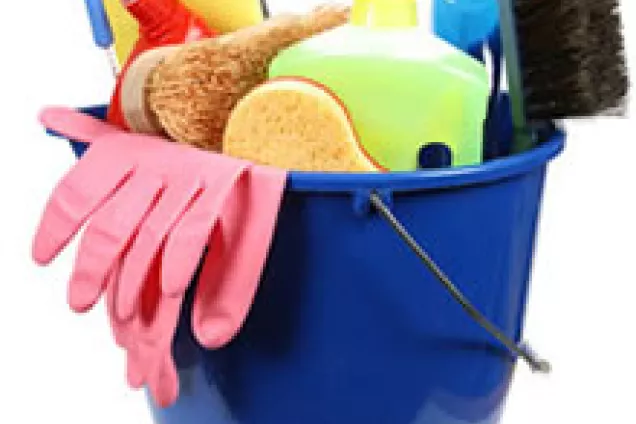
384 13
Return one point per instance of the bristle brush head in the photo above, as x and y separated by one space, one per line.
554 57
566 72
611 77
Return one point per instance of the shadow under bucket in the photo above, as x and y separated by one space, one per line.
350 328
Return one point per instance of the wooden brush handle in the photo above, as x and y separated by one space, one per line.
137 114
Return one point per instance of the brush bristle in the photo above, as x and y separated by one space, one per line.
612 79
571 57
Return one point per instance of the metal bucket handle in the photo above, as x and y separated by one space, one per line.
522 350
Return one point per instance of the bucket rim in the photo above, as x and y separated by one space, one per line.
431 179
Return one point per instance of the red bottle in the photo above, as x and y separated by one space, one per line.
161 23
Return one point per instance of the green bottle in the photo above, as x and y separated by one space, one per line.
404 87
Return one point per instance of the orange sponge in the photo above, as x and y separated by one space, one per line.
295 124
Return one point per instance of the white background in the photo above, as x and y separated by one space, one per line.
58 367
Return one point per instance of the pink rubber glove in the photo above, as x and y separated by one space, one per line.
131 185
246 232
224 294
231 270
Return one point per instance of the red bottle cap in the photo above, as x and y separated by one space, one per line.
154 15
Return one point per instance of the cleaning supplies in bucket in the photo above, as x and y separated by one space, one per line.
439 90
153 206
191 93
162 22
404 87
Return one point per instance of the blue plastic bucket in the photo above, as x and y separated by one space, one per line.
348 326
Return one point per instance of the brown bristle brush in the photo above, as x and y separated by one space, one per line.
564 59
188 93
611 75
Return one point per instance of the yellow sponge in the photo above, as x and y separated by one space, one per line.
295 124
221 15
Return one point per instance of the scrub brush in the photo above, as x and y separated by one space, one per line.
564 59
611 76
192 92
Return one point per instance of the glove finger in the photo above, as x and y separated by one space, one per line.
157 315
186 243
148 337
174 202
227 287
208 287
135 371
154 345
90 183
107 236
157 322
123 332
164 382
118 330
159 328
75 125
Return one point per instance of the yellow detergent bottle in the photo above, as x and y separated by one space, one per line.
404 87
222 15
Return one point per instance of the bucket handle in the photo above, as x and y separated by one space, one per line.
522 350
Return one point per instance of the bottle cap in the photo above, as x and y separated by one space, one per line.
153 14
385 13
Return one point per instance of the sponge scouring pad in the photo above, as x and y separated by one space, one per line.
295 124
